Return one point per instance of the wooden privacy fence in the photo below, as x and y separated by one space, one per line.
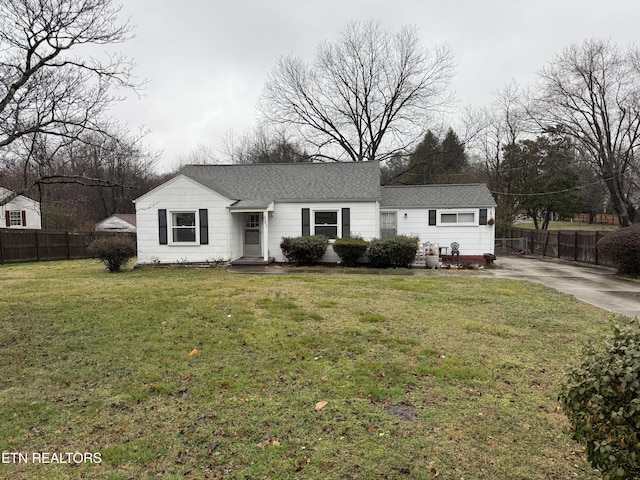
599 218
578 246
37 245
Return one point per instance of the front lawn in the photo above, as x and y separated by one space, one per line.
198 373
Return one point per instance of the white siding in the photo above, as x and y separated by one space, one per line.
182 193
21 203
286 221
474 240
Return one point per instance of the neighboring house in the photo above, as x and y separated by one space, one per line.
242 212
19 213
119 222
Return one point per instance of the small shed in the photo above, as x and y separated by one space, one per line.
20 212
119 222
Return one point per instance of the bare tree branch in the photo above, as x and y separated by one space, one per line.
591 92
367 96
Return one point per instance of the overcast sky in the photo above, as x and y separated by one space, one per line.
206 61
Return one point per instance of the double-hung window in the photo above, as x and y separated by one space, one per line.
183 227
326 223
15 218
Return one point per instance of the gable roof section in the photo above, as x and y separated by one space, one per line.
294 182
127 217
437 196
5 192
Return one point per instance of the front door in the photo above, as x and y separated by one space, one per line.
252 222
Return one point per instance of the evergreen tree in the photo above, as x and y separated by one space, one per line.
423 162
543 178
453 159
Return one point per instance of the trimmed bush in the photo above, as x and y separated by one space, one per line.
305 250
602 401
623 247
350 249
395 252
114 251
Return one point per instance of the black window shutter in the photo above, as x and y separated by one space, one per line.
346 222
306 225
432 217
204 226
483 216
162 226
7 218
24 218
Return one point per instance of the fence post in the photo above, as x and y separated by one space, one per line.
546 242
597 252
68 247
37 237
1 249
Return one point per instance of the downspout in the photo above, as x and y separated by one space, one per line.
265 235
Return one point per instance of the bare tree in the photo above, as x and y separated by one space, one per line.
263 145
591 93
48 91
85 181
501 124
367 96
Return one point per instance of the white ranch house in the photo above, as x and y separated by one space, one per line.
21 213
240 213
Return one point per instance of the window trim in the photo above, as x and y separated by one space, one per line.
457 213
171 227
337 225
15 218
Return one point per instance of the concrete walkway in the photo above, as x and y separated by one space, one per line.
594 285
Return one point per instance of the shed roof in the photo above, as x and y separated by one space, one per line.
291 181
127 217
437 196
5 192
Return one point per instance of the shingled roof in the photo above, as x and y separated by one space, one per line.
437 196
292 181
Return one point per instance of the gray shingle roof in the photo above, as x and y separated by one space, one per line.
292 181
437 196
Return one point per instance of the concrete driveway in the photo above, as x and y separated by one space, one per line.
594 285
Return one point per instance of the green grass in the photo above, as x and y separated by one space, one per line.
425 376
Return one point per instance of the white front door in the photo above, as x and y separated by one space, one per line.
252 235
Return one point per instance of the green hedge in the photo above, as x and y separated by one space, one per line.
114 252
602 401
623 247
395 252
350 249
305 250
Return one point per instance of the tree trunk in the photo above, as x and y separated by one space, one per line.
623 207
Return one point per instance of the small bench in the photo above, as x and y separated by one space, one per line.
489 258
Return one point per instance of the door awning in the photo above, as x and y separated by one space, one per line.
252 206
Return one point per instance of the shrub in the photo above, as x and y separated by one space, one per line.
350 249
113 251
305 250
602 401
623 247
397 251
